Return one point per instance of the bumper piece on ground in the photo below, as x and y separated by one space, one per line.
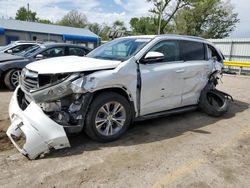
36 128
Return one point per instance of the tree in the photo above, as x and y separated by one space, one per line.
74 19
100 30
143 26
25 15
104 32
165 10
207 18
45 21
95 28
119 25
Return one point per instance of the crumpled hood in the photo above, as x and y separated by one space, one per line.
8 57
70 64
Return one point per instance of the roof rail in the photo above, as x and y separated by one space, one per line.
187 36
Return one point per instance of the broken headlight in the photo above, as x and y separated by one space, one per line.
51 79
51 92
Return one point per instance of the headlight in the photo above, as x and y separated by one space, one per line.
59 89
52 79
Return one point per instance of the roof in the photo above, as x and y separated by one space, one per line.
141 36
67 32
172 36
228 40
53 44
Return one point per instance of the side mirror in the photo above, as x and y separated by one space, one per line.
39 56
9 51
153 57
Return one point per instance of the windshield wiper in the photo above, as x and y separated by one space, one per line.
107 57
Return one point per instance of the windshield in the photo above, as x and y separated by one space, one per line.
119 49
7 47
30 51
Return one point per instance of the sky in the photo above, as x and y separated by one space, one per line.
107 11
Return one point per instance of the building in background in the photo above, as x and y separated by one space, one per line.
13 30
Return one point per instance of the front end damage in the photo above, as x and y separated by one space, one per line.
42 117
39 131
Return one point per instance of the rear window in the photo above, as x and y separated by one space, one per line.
192 50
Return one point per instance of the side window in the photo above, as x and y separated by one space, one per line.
54 52
76 51
170 49
192 50
212 52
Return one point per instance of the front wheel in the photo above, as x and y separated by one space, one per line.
11 78
108 118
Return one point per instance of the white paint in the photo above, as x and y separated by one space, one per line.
70 64
40 131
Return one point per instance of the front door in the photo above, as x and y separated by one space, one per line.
161 85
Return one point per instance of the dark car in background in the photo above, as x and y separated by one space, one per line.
11 65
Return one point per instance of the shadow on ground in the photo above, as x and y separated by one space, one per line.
152 131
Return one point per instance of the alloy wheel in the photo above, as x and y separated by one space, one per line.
110 118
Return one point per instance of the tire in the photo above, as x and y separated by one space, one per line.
11 79
213 102
102 124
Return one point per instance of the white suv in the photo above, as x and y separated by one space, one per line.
125 80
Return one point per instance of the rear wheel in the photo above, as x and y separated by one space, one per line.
11 78
108 118
213 102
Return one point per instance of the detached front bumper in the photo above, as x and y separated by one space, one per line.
39 131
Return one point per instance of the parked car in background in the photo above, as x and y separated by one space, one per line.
11 65
17 47
127 79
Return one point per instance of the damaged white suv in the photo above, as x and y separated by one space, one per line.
127 79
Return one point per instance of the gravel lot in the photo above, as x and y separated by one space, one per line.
187 150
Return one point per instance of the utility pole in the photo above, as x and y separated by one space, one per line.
160 16
28 10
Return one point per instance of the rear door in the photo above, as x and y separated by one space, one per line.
196 70
161 82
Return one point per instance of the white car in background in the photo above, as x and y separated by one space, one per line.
17 47
125 80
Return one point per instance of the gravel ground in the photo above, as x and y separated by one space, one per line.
187 150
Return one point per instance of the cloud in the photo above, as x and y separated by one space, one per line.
95 10
242 28
106 11
118 2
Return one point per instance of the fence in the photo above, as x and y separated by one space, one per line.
236 52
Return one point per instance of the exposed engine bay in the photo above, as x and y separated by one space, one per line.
65 102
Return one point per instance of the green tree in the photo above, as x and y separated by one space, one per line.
207 18
104 32
45 21
95 28
25 15
143 26
119 25
74 19
164 11
100 30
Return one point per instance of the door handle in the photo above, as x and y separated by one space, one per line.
179 70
